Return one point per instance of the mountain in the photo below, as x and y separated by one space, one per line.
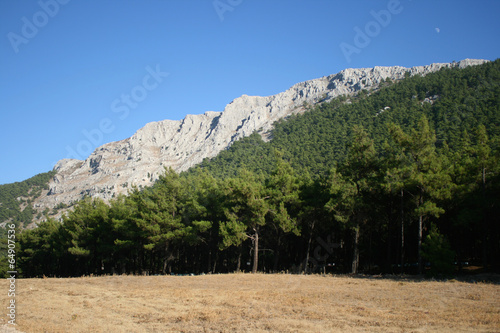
115 167
407 172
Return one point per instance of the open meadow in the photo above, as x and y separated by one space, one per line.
253 303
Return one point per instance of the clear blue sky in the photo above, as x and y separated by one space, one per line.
67 66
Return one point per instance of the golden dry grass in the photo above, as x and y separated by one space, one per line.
253 303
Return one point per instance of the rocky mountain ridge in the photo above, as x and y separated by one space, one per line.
139 160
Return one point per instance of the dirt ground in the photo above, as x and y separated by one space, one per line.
252 303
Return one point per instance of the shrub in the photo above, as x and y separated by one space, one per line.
437 250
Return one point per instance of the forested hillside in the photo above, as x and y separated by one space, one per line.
16 207
403 179
16 198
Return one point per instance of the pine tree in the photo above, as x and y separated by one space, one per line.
246 209
350 190
283 192
40 250
159 218
420 174
129 238
89 235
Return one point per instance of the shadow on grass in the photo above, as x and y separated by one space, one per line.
490 278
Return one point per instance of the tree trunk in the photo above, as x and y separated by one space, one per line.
388 258
165 260
255 251
402 232
355 256
306 263
209 261
420 227
215 261
238 264
277 254
483 221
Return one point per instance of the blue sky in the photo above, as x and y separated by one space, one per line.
77 74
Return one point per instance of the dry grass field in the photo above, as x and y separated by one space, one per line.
253 303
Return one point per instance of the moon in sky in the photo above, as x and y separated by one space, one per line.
438 30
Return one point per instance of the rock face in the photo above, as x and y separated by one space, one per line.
139 160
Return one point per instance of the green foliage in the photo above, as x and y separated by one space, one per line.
437 250
250 152
352 192
40 249
423 175
284 202
16 198
246 207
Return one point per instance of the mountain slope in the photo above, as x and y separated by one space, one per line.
456 101
114 167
